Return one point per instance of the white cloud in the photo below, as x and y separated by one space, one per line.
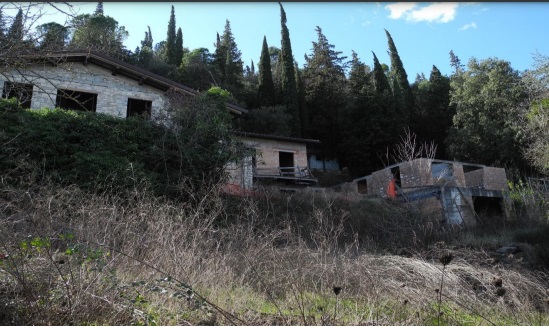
436 12
400 8
468 26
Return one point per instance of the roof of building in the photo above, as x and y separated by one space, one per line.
275 137
117 66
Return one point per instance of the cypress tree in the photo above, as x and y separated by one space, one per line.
171 51
289 87
15 32
228 60
2 26
381 83
99 9
325 84
301 100
178 55
265 89
403 93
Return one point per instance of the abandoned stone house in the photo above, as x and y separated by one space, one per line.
92 81
276 161
460 193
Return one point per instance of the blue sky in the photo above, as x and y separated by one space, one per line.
424 33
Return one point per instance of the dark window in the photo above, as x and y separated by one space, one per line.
139 108
395 172
488 207
21 91
286 162
76 100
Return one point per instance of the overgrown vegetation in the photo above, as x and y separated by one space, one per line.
122 222
101 152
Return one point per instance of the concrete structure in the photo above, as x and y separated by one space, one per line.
277 160
461 193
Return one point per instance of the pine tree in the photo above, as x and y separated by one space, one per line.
178 55
227 59
265 89
2 26
325 85
54 36
381 83
403 93
288 83
99 9
171 51
301 99
455 62
16 31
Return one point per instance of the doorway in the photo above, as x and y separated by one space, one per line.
286 163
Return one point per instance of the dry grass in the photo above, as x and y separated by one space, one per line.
218 260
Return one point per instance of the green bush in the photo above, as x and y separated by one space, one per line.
99 151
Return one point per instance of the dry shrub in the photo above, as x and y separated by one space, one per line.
270 259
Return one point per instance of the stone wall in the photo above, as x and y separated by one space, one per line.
112 91
267 158
378 182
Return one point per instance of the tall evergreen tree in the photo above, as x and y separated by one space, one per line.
355 120
455 62
265 89
99 9
178 55
386 124
288 84
227 59
381 83
2 26
98 32
148 40
325 85
53 36
403 93
171 50
433 105
16 31
301 93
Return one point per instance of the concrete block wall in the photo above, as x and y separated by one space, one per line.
475 179
416 173
458 175
378 182
495 178
492 178
112 91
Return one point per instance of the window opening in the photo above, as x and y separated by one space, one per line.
20 91
139 108
76 100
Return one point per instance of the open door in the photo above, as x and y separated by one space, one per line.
286 163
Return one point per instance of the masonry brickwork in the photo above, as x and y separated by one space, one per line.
267 159
112 91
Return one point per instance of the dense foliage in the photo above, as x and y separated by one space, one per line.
96 151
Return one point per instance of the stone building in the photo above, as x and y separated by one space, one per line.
92 81
276 161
